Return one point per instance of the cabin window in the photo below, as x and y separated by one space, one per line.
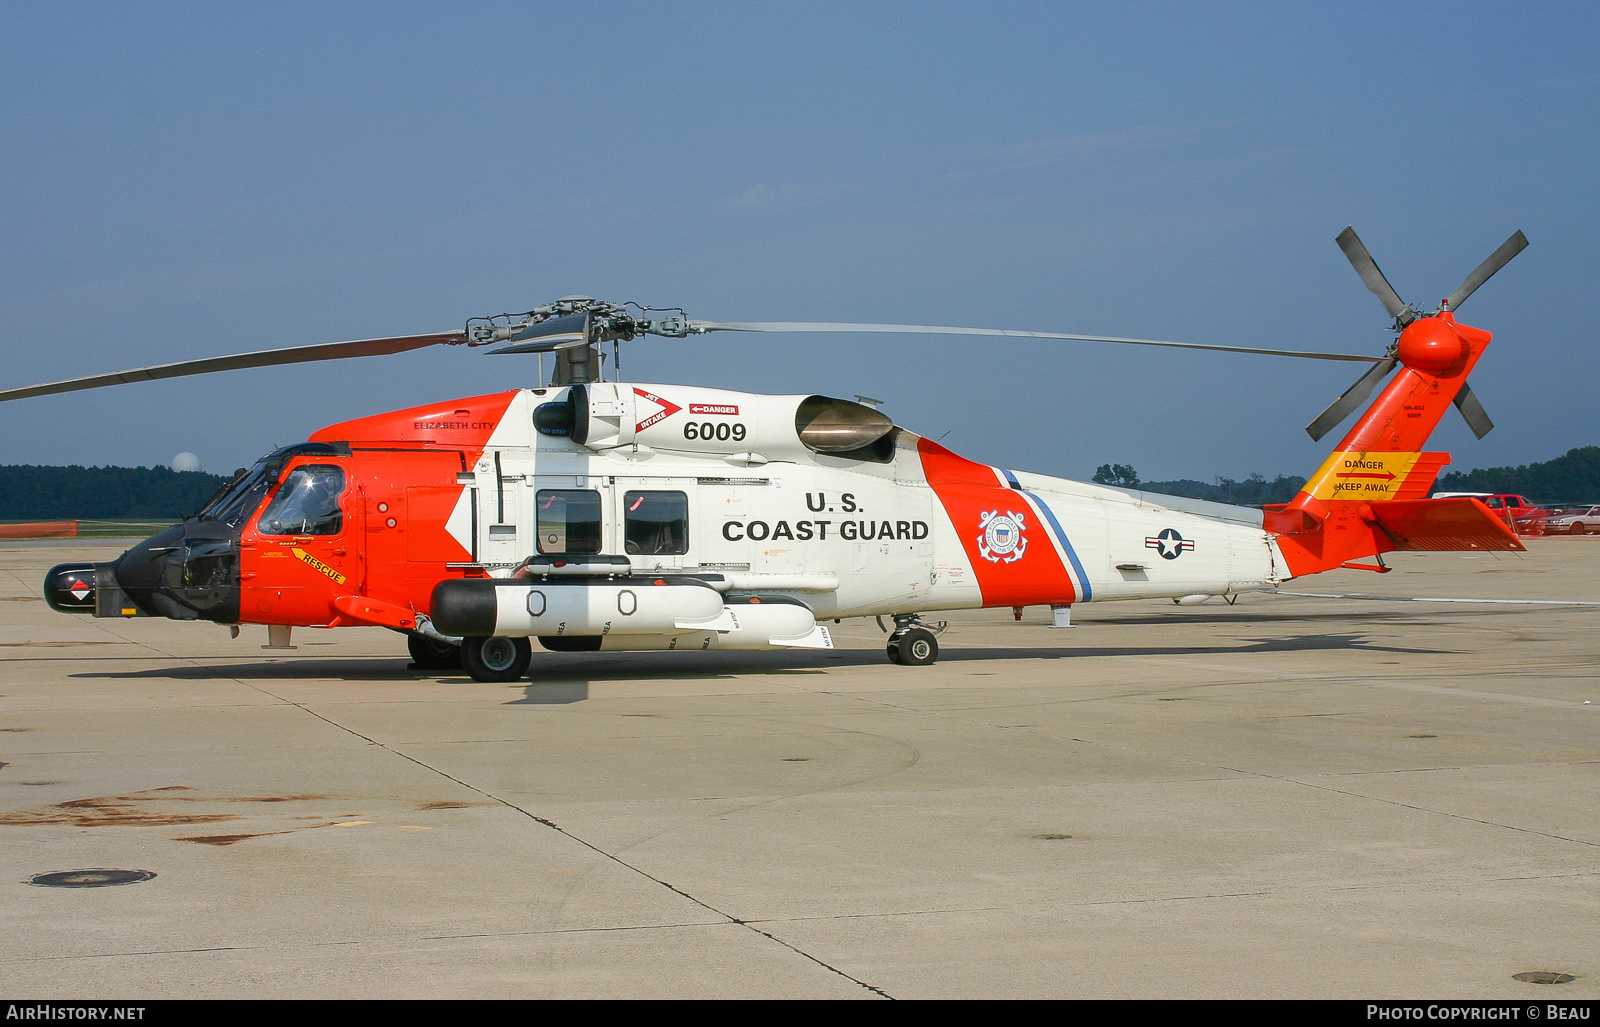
568 521
307 503
655 523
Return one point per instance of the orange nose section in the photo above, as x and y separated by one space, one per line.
1433 346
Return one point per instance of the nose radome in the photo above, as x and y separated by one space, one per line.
70 588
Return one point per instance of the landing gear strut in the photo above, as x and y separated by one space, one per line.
912 644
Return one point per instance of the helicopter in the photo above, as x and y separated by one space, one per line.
601 515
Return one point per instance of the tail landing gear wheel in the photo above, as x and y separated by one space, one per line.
432 654
914 648
496 659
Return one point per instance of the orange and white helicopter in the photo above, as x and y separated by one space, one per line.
610 515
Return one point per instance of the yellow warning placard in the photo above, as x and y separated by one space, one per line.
1367 477
301 554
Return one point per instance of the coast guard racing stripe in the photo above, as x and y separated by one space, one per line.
1003 531
1057 533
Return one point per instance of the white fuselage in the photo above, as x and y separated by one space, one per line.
911 529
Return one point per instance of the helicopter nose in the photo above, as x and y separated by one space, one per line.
182 576
144 571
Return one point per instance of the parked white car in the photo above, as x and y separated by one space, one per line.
1574 522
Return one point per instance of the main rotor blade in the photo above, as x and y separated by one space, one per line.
1477 418
260 358
1356 252
832 326
1483 272
1353 397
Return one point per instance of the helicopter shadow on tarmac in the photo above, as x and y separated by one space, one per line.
566 679
567 683
1242 618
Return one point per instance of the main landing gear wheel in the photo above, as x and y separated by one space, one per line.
914 648
432 653
496 659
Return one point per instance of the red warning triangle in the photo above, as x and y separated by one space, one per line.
668 408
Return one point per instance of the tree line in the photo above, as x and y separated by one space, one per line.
1255 490
36 493
1571 478
31 492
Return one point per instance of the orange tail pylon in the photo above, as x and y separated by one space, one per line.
1370 496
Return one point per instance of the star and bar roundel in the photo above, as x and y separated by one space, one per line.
1169 544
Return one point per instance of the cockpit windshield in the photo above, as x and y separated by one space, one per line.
234 503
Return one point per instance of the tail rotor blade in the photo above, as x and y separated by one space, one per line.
1472 410
1353 397
1356 252
1497 260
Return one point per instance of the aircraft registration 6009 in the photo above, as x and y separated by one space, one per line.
602 515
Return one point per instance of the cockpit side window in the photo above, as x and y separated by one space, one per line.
307 503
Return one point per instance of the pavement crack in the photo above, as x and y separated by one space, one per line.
552 825
142 952
1436 812
727 917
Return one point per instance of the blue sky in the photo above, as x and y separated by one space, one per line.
188 180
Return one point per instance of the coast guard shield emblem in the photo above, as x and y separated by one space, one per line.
1002 538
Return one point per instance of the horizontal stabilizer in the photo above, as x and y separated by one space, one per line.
1444 525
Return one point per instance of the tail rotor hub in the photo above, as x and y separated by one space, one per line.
1432 345
1429 343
